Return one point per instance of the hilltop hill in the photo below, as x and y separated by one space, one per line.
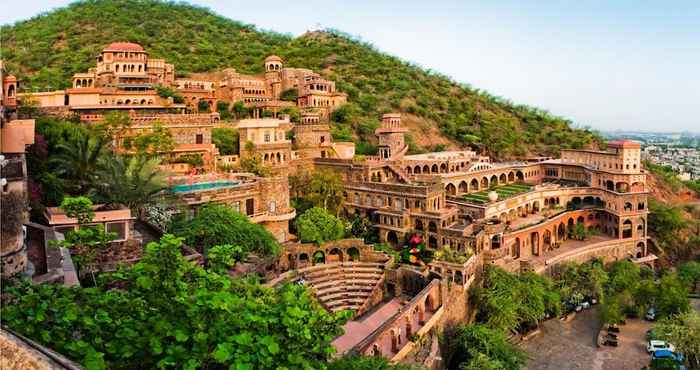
46 50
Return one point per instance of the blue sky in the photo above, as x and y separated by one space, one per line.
612 64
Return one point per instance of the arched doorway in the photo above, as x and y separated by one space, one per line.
535 243
474 185
463 188
392 238
432 242
319 257
353 254
519 176
335 255
451 189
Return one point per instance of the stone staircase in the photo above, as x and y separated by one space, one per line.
344 285
400 173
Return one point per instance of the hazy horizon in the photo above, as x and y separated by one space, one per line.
611 65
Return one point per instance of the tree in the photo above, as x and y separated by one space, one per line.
508 301
88 240
221 258
577 281
222 107
226 140
166 312
689 274
289 95
671 296
166 92
665 222
203 106
218 224
623 275
611 310
133 181
240 110
158 140
683 330
77 158
114 125
317 225
478 346
323 189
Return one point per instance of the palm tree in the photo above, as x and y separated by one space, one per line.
77 160
133 181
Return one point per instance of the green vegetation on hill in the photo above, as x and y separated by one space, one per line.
46 50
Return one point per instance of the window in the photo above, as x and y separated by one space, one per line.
236 206
273 207
118 228
267 137
199 139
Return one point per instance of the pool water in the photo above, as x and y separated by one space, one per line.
204 186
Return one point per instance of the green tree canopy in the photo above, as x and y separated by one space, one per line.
225 139
323 189
165 312
133 181
317 225
478 346
218 224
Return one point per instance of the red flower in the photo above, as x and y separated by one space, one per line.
415 239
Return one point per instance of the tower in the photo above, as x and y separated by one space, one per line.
391 137
273 82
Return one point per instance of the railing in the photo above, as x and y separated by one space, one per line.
13 170
612 243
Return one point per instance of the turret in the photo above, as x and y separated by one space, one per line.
391 136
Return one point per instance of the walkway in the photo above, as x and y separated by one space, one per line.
357 330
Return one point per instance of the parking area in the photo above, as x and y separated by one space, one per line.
572 345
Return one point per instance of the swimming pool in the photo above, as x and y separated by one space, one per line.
204 186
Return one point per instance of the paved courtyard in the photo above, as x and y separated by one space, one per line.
572 346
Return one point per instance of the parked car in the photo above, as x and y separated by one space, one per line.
611 342
659 345
585 305
613 328
663 354
651 314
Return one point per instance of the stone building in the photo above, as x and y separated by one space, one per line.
268 138
15 136
518 213
124 78
265 200
265 92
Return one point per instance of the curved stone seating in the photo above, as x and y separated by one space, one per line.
343 285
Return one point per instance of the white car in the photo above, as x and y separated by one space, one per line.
655 345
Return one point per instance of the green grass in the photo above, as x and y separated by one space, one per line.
503 191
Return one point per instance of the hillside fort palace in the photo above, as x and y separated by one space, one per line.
532 214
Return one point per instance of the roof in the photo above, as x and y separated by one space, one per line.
124 46
273 58
624 144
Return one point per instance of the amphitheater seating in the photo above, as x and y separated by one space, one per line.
343 285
